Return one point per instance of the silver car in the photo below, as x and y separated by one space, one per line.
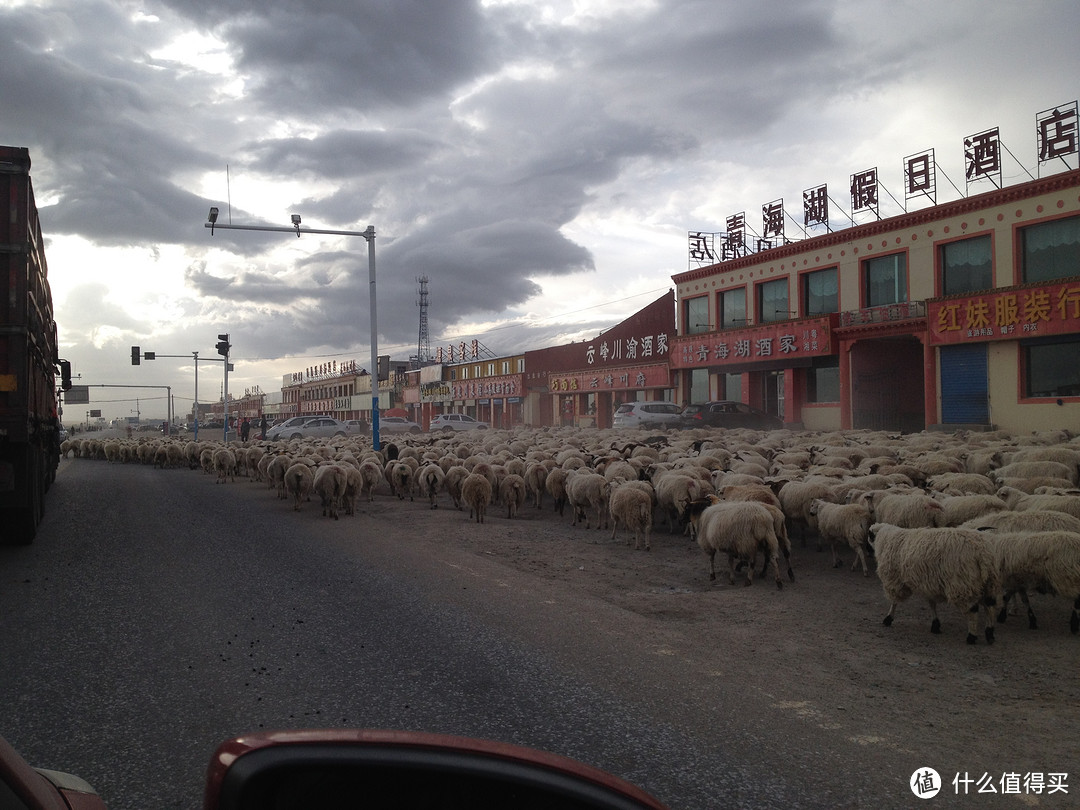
397 424
284 430
456 421
649 415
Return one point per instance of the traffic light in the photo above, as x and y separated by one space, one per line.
65 374
384 367
223 345
136 357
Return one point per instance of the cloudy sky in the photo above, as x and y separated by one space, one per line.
540 162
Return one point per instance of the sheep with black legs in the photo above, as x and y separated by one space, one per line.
674 490
1047 562
739 529
585 491
428 481
944 564
843 523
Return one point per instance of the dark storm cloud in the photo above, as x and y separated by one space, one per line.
316 57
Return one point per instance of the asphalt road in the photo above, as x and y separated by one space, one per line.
158 613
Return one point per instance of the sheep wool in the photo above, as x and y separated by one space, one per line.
951 565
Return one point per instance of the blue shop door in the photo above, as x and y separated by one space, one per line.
964 391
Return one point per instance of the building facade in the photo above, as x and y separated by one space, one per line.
960 314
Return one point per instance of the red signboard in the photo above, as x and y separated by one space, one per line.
789 340
636 378
1017 312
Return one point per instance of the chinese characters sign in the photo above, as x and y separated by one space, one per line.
1010 314
919 176
486 387
1055 131
768 342
982 156
643 377
461 353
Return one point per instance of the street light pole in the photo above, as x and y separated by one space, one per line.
369 235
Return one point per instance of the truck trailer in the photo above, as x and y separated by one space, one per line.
29 425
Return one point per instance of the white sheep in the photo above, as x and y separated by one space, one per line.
512 492
452 481
1048 562
946 564
739 529
587 490
372 474
1033 520
298 481
429 480
354 485
225 464
909 510
1022 502
476 492
535 477
674 490
1032 469
329 484
555 484
847 523
958 509
795 498
631 506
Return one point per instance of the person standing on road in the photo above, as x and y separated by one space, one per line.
262 427
245 429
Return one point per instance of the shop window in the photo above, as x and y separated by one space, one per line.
967 266
820 292
732 308
699 385
886 280
732 387
697 315
1050 368
823 380
773 301
1050 250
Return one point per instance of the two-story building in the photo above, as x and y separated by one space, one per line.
963 313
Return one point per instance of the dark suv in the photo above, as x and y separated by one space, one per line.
728 414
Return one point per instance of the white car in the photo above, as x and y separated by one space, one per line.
649 415
397 424
456 421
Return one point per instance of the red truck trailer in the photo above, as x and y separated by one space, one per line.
29 427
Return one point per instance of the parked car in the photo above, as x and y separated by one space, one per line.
456 421
728 414
358 426
283 430
397 424
647 414
321 427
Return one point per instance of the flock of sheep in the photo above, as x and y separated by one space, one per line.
970 519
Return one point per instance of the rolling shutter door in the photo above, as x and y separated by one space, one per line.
964 396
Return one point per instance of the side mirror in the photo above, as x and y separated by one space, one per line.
396 770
